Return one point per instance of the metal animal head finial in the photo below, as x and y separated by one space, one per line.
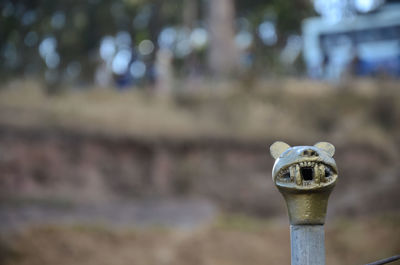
305 175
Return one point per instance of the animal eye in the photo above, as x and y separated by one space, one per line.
328 172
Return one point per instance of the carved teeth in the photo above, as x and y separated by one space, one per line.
292 173
322 172
297 175
317 174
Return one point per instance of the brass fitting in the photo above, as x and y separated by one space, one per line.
305 175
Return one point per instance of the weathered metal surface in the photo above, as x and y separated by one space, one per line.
305 175
307 244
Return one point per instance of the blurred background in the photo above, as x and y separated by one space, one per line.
138 131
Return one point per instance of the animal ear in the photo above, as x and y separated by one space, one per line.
327 147
278 148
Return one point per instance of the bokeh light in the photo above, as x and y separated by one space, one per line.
146 47
121 61
138 69
267 33
107 48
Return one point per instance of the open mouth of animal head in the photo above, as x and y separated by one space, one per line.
307 174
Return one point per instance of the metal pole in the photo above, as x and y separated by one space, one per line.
307 244
385 261
305 176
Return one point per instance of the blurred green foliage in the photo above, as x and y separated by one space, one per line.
79 26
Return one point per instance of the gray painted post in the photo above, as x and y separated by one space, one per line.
307 244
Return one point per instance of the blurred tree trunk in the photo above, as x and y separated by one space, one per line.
190 18
223 55
190 13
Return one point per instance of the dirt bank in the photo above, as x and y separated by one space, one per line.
234 175
232 241
102 145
